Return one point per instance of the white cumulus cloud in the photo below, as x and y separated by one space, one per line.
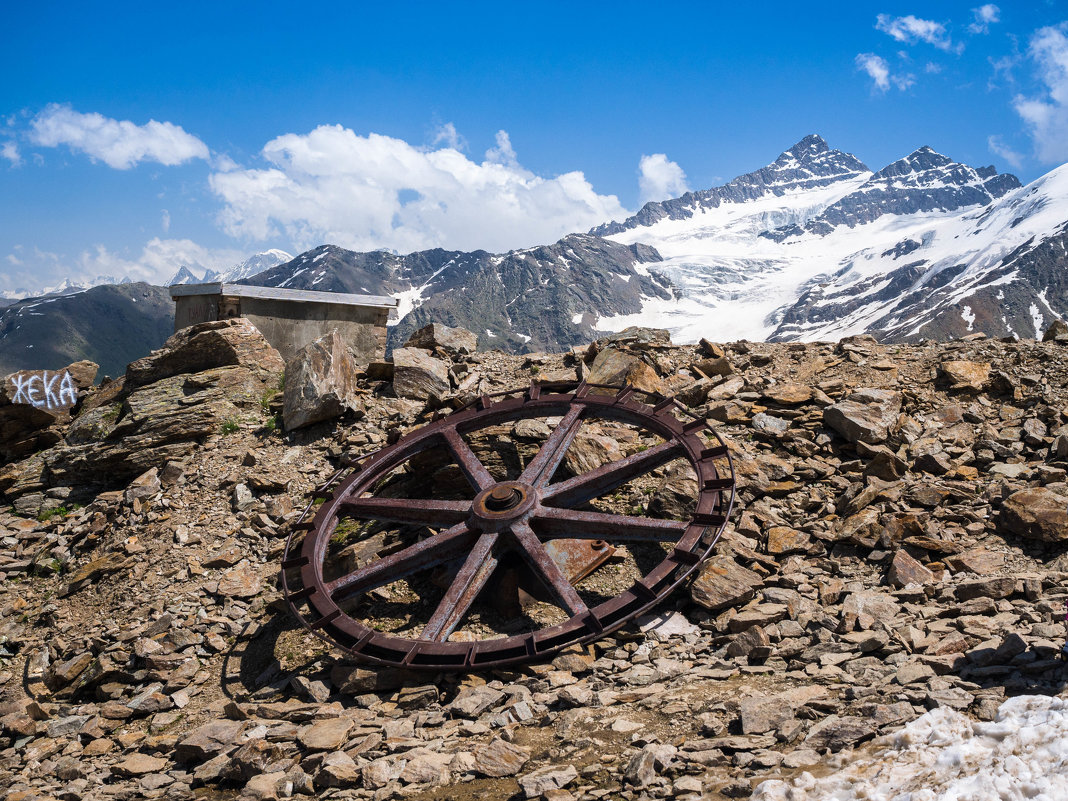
879 71
659 178
1046 116
911 29
983 17
118 143
375 191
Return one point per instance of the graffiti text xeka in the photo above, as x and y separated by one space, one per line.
44 389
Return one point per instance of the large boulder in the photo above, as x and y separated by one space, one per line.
320 382
418 375
453 341
615 367
865 416
964 375
219 343
1035 514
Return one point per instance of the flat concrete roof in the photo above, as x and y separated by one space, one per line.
277 293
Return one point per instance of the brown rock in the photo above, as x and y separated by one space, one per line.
865 416
835 733
996 587
418 375
326 735
979 561
722 582
743 644
320 382
1035 514
617 368
500 758
788 394
436 336
242 581
783 540
906 570
964 374
208 740
139 765
220 343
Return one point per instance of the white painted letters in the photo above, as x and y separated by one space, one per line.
44 389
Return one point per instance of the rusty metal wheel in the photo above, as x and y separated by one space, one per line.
534 529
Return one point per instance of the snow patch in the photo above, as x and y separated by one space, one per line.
943 754
968 317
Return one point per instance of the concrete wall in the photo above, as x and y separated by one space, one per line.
290 325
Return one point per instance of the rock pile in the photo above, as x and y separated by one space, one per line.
899 547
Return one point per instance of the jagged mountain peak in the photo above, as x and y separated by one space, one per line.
919 160
811 145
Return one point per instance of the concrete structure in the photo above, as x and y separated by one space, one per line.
289 318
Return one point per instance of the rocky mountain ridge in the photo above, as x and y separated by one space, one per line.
898 550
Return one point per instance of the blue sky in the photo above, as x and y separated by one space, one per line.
150 136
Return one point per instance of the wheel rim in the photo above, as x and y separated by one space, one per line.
523 516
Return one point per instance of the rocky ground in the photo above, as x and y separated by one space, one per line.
898 545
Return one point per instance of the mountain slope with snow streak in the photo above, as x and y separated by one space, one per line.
925 247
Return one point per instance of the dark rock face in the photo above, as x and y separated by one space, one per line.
109 325
810 164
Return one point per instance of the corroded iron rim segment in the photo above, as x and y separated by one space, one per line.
515 515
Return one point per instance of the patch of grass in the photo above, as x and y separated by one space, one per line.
281 382
230 426
47 514
266 398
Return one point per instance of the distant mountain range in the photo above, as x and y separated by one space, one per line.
251 266
815 245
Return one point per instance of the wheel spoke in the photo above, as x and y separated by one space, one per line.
541 467
580 489
547 570
575 524
425 511
472 468
432 551
469 581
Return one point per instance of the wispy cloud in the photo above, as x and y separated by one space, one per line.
910 29
660 178
446 134
879 71
374 191
1046 116
118 143
983 17
10 151
999 148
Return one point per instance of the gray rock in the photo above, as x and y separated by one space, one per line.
551 777
473 701
722 582
500 758
436 336
320 382
865 416
418 375
835 733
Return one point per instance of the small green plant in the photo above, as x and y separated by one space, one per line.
266 398
534 369
47 514
281 382
230 426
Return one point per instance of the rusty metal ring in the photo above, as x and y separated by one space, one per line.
522 516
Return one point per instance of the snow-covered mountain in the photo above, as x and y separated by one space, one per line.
66 287
253 265
816 246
